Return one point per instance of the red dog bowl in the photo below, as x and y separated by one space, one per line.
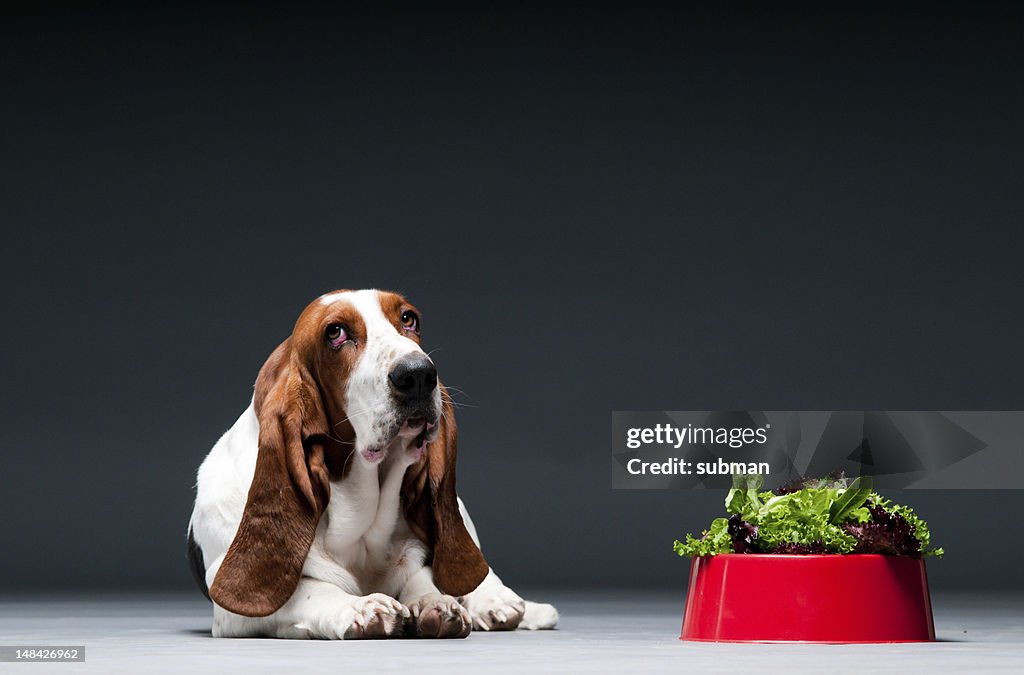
808 598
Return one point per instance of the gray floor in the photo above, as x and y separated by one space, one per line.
608 632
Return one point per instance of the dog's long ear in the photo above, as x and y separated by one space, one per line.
432 509
288 494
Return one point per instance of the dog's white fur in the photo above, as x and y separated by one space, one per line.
365 564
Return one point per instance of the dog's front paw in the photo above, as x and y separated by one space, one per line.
439 616
495 608
373 616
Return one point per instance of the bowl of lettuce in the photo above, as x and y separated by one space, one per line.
828 560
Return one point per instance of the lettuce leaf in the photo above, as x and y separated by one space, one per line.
850 500
714 540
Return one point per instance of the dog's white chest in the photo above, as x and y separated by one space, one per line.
361 530
351 513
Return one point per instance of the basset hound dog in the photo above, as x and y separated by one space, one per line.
329 509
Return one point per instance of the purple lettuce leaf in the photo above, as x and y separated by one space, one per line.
743 534
885 532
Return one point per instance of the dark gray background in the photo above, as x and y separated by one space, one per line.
596 207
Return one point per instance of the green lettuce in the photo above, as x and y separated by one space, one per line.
829 515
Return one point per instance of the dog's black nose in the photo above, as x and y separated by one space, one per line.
413 377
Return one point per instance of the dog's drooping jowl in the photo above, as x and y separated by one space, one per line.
329 509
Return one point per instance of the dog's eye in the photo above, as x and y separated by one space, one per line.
410 321
335 335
